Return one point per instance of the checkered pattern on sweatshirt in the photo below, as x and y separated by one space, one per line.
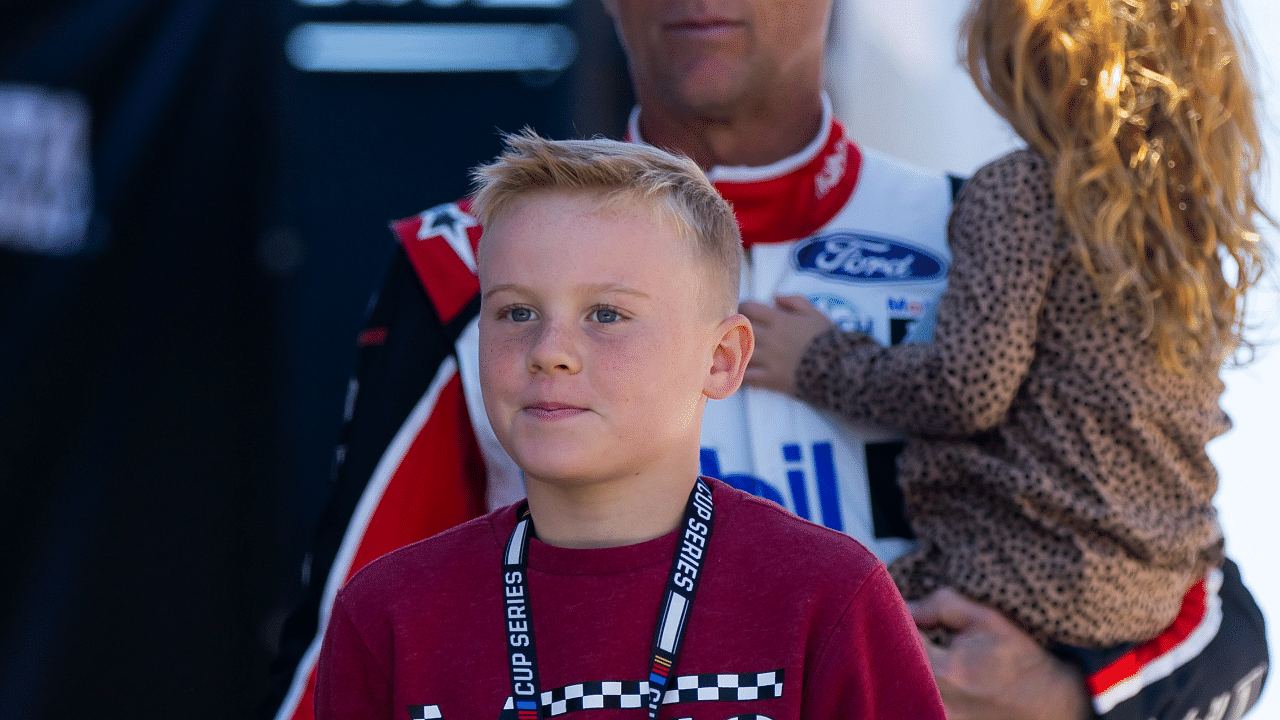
635 694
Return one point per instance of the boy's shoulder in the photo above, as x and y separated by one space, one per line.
752 534
453 554
764 535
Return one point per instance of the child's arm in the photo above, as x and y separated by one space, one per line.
1005 250
873 666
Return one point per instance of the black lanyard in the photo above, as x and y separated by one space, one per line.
682 585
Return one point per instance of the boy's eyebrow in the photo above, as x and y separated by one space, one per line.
505 287
602 288
594 289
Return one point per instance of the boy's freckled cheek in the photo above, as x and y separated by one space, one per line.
497 356
627 373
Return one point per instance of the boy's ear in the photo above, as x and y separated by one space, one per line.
730 356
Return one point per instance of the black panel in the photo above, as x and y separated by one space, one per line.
887 503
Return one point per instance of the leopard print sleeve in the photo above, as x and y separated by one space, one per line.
1006 241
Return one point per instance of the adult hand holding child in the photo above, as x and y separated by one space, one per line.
992 669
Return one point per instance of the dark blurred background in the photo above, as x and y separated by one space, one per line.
194 197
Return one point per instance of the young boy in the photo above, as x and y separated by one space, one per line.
625 584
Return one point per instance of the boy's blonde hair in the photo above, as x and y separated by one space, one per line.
1144 110
622 173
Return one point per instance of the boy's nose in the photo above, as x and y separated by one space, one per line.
554 351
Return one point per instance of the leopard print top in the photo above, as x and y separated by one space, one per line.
1056 471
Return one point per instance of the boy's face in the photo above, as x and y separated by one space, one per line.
595 351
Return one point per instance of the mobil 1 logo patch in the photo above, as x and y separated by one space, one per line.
862 258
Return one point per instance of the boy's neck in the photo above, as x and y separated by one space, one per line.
607 514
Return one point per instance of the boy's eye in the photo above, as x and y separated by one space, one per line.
520 314
604 315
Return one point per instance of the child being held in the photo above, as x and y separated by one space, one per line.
1057 469
624 585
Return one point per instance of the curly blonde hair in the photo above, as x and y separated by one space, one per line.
1145 113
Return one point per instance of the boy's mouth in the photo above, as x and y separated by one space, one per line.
553 410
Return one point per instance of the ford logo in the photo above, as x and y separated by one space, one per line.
866 258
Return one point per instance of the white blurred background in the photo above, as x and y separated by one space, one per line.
895 81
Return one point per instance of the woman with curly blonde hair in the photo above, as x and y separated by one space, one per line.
1057 467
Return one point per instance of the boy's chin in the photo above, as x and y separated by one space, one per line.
563 472
562 475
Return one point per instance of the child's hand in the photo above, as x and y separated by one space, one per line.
782 332
993 669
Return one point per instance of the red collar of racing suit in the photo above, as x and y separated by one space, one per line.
793 197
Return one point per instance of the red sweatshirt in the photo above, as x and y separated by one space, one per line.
791 621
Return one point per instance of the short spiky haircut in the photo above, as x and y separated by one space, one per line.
622 173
